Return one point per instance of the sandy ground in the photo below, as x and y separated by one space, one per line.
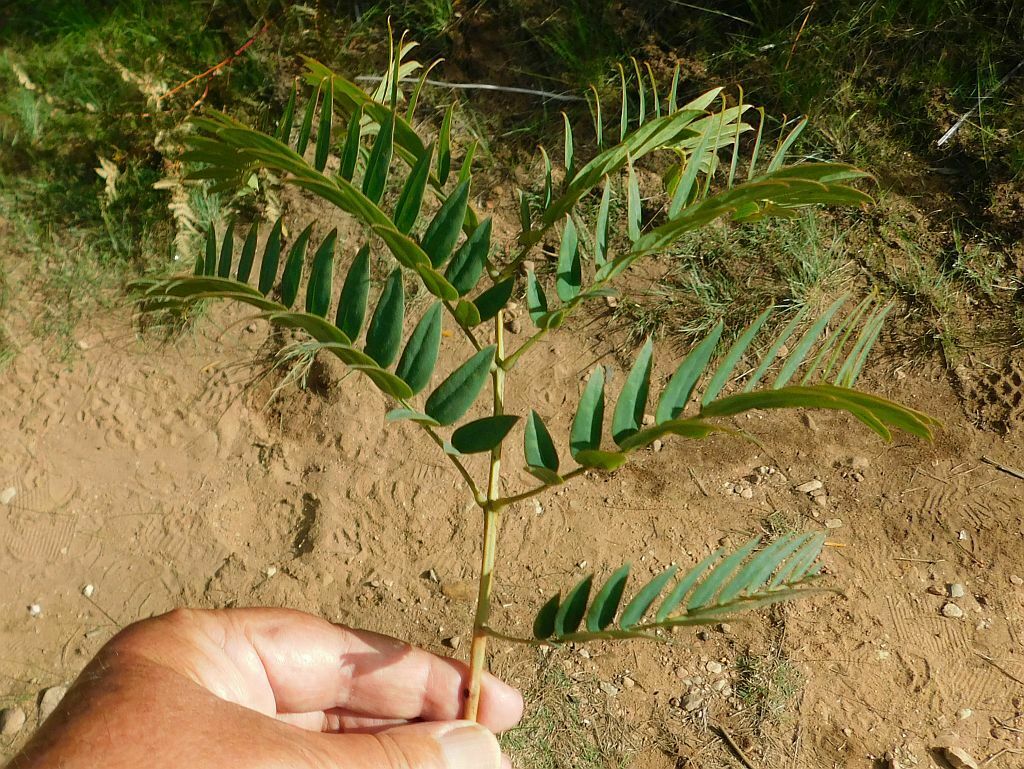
158 476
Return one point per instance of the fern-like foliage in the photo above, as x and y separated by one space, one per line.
720 586
350 147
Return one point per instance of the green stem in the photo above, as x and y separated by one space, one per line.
465 329
505 501
510 361
492 522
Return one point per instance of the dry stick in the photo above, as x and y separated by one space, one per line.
963 118
1003 468
732 745
796 40
699 484
922 560
999 667
219 66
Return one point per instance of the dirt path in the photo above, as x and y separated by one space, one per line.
154 476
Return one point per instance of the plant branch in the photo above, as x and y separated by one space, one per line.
492 522
506 501
465 329
477 496
510 361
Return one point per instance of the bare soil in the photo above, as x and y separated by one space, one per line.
161 476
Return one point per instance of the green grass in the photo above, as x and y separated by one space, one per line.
766 685
77 87
731 274
566 726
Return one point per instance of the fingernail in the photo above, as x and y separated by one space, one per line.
470 747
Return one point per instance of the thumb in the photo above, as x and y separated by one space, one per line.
428 745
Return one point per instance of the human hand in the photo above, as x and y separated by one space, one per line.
268 689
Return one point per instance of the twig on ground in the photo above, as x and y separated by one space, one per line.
737 751
699 484
999 667
1003 468
922 560
963 118
219 66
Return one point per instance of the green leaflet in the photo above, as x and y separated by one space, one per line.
351 153
537 444
408 207
318 292
629 410
380 161
601 460
536 301
601 230
354 293
484 434
803 347
397 415
420 354
226 249
444 146
570 272
606 603
466 171
769 357
728 365
293 267
467 265
678 593
570 613
443 230
271 255
636 608
680 386
307 121
569 154
524 212
494 299
245 261
284 128
706 590
210 261
384 334
757 570
633 206
687 428
587 425
323 135
453 397
467 314
544 624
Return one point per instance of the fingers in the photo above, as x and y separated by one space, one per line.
450 745
293 662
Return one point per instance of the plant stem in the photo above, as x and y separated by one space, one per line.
505 501
492 522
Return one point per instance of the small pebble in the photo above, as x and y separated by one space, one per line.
11 721
821 501
956 590
809 486
952 611
452 643
88 590
747 493
627 682
959 758
270 571
719 684
34 610
657 445
809 422
49 701
7 495
964 713
714 667
648 420
1015 580
833 523
609 689
692 702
